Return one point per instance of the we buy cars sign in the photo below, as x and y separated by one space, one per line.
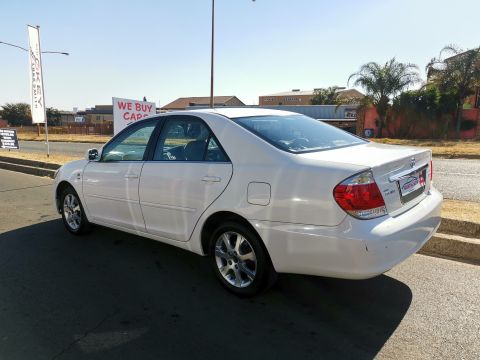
127 111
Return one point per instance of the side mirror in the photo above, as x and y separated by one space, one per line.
92 155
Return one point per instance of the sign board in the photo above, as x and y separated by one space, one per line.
368 133
36 77
127 111
8 139
350 114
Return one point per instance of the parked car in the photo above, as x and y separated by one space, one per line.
259 191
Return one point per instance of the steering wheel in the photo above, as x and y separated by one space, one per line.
168 156
299 143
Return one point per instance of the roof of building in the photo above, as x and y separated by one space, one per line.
233 112
294 92
184 102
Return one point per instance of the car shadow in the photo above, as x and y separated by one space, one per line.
112 295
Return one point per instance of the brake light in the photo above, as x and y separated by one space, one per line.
360 196
431 170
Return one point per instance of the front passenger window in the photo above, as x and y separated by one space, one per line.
130 145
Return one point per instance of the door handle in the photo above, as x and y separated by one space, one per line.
211 179
131 176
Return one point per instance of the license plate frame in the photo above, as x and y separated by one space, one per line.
412 185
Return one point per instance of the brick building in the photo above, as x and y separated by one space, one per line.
299 97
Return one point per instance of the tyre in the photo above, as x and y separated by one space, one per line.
72 211
239 260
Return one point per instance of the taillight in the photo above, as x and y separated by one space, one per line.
360 196
431 170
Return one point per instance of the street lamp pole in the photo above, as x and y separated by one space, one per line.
212 57
212 54
42 52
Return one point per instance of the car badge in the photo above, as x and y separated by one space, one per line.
412 162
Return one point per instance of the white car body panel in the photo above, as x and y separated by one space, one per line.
110 191
286 197
173 195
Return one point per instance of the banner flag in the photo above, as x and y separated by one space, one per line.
36 77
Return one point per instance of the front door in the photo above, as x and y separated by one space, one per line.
110 186
189 170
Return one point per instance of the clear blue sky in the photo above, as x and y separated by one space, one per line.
161 49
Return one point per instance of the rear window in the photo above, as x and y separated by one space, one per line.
298 133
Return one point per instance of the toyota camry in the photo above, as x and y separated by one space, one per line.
259 192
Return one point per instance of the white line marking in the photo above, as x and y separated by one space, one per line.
450 173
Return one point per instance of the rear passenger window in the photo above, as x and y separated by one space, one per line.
214 153
187 138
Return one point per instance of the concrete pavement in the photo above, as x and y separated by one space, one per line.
111 295
457 179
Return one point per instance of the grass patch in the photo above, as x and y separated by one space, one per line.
98 139
441 148
461 210
54 158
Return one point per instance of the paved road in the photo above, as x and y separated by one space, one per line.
457 179
111 295
57 147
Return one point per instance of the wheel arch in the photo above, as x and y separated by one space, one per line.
62 185
215 219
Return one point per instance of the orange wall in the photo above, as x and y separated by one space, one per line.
469 114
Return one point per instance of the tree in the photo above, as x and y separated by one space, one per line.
17 114
328 96
458 74
332 96
428 107
383 83
53 116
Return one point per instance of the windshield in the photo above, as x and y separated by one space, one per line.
298 133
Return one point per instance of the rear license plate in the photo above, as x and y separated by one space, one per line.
412 186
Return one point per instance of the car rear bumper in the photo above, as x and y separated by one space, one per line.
355 249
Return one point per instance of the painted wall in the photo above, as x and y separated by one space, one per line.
420 131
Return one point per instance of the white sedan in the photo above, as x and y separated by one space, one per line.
259 191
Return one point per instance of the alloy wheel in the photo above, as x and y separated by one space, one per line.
72 211
236 259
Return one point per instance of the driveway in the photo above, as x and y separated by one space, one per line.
112 295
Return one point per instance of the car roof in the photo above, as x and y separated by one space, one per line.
235 112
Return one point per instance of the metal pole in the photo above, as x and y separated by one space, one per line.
211 59
44 103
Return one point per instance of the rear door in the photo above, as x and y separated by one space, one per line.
187 172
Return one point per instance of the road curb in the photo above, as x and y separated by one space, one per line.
31 167
32 163
460 227
453 246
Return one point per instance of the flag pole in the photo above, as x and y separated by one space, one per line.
43 88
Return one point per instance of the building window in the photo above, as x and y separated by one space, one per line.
292 99
98 117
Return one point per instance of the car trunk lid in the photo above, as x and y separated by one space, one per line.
401 173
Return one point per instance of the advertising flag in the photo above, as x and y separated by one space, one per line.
36 79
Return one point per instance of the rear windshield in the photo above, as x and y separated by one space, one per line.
298 133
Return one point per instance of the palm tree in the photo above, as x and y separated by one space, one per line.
458 75
383 83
